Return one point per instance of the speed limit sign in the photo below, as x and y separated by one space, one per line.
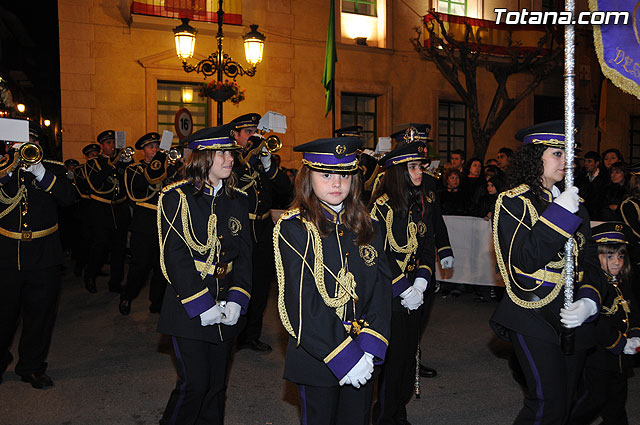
183 123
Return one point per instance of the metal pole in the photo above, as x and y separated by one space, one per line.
220 37
569 126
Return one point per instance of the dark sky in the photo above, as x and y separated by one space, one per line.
29 55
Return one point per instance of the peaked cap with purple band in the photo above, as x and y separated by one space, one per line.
422 136
550 133
611 232
213 138
403 153
333 155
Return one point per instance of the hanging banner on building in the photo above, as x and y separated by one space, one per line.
488 36
618 44
196 10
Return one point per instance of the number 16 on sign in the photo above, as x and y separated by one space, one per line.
183 123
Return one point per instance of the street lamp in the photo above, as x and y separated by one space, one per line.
21 108
218 62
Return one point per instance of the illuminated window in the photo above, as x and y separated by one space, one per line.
361 7
360 109
453 7
173 96
452 128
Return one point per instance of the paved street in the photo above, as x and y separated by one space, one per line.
110 369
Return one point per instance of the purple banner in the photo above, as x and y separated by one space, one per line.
618 43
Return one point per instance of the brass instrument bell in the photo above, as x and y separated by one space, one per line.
174 155
30 153
127 153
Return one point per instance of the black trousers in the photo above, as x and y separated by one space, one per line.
263 271
32 295
604 394
107 241
337 405
395 386
551 376
200 392
145 257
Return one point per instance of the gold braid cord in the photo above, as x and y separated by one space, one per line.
506 272
188 236
412 240
13 201
346 284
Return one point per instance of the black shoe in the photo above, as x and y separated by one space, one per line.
427 372
90 284
256 345
115 287
39 381
125 307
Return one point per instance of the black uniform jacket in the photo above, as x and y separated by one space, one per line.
432 208
29 217
409 244
321 349
630 211
106 180
259 186
143 182
529 236
189 294
81 183
619 319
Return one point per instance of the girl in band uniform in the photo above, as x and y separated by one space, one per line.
205 254
532 222
334 288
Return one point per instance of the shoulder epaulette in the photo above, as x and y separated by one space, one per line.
175 185
517 191
240 191
431 173
382 199
51 161
289 214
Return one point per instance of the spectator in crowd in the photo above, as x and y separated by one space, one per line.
473 180
492 170
614 193
504 158
491 161
453 198
591 187
457 159
487 201
610 157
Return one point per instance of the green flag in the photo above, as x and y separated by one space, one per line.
330 59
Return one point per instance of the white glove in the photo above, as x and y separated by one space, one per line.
37 170
447 262
578 312
632 345
421 284
360 373
569 199
411 298
265 158
211 316
232 313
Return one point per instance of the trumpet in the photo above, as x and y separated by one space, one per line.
273 144
30 153
126 153
174 155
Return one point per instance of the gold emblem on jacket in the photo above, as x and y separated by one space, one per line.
422 228
431 196
235 226
155 165
368 254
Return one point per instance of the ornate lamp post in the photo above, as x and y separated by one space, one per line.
218 62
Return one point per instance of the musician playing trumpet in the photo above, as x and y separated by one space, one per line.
109 211
143 182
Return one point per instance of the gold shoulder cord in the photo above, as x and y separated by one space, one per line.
346 284
99 192
188 235
412 240
506 272
625 219
12 201
155 188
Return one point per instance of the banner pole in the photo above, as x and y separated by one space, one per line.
569 126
